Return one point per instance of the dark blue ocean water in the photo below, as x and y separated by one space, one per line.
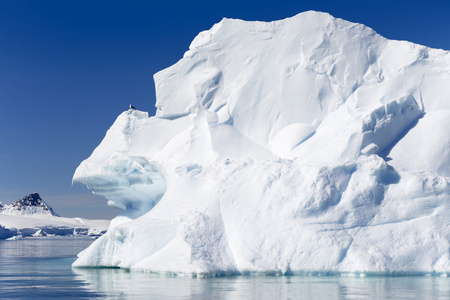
41 268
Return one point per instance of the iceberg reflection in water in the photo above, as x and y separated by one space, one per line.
117 282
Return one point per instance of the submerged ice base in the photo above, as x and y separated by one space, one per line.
310 144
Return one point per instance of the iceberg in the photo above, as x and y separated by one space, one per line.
309 145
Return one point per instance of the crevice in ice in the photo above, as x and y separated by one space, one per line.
385 153
367 225
344 251
171 117
387 124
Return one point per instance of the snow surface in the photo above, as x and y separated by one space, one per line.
306 145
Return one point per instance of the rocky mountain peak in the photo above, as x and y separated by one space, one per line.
30 204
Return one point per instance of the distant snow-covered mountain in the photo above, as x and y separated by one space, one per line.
32 216
28 205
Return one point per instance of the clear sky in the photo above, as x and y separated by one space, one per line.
69 68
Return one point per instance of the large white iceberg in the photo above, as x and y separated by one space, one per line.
310 144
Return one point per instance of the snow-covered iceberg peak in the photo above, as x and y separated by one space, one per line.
283 147
28 205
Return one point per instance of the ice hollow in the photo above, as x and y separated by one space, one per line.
306 145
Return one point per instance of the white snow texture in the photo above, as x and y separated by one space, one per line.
306 145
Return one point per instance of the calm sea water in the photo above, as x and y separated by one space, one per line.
41 268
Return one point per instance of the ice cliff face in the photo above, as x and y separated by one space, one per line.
28 205
309 144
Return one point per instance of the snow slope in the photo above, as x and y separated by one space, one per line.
309 144
32 216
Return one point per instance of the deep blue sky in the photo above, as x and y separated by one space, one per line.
69 68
